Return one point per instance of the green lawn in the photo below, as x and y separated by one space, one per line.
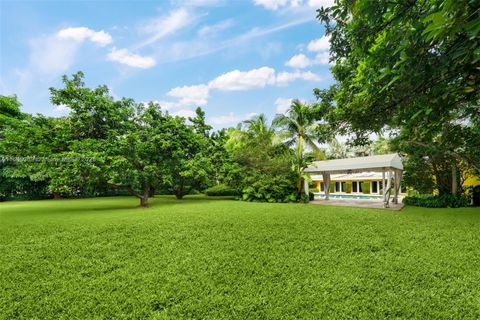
219 259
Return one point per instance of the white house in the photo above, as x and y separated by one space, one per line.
361 175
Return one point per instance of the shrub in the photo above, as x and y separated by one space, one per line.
266 188
221 190
348 187
307 199
443 201
366 187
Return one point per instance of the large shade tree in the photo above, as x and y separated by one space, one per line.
410 66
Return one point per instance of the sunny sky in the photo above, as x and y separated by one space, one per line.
234 58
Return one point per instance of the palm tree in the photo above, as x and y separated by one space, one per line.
298 130
337 150
258 128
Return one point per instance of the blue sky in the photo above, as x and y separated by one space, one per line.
234 58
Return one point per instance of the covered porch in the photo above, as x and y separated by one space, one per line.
385 170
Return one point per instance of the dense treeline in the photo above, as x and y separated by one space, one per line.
101 146
407 68
106 146
411 68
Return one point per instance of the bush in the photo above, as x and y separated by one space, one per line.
221 190
443 201
366 187
307 199
348 187
266 188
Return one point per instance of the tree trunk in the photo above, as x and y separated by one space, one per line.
299 187
454 179
57 195
151 193
179 195
144 201
144 197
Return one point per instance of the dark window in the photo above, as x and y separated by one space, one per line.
344 186
374 187
337 186
354 186
360 186
322 186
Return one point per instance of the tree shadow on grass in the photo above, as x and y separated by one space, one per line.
107 205
168 200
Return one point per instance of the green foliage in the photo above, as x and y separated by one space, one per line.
190 165
206 258
332 187
408 66
263 166
10 114
299 130
348 187
366 187
221 190
418 174
266 188
442 201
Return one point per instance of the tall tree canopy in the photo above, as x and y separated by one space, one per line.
412 66
298 130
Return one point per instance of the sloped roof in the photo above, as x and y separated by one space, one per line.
354 165
350 177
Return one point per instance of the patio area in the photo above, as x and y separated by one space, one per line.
358 203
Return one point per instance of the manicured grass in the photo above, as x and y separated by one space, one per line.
107 259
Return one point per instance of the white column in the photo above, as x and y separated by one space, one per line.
384 187
388 188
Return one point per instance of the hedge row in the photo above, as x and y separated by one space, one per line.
221 190
443 201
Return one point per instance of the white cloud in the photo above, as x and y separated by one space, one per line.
202 46
243 80
51 55
320 3
231 118
80 34
277 4
321 44
164 105
197 3
323 58
124 56
191 95
61 109
284 78
215 28
54 54
321 47
185 113
282 104
299 61
161 27
271 4
235 80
